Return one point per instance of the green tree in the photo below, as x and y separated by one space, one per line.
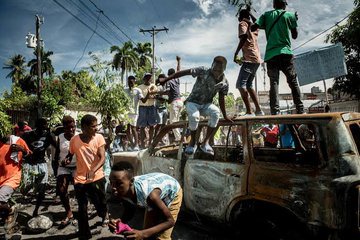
54 97
110 101
348 35
16 65
241 4
5 124
144 52
229 102
125 58
46 64
78 87
17 99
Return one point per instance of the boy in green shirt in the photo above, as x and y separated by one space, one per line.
278 56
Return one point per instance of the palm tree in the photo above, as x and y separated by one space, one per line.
16 65
125 58
241 3
144 52
46 64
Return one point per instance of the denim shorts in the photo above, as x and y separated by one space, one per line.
246 75
147 116
195 110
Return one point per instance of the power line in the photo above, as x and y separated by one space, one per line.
102 12
87 43
81 21
321 32
107 30
106 27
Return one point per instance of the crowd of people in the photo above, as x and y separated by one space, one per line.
83 158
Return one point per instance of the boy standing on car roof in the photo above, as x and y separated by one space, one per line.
208 83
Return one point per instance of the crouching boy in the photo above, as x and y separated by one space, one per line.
159 193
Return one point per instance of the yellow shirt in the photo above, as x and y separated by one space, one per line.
144 89
86 154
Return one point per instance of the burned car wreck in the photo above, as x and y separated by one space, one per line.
298 172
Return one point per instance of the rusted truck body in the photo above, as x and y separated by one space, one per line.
310 175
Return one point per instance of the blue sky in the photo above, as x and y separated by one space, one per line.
198 30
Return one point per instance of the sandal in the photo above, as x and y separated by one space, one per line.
207 149
64 223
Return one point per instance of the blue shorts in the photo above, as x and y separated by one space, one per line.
246 75
147 116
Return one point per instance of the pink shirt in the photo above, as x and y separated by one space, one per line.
250 49
86 155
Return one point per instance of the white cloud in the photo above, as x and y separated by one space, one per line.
204 5
209 6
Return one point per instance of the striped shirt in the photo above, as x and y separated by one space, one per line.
145 184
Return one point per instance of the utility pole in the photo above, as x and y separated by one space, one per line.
153 31
38 58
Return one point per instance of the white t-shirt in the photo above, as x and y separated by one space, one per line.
134 94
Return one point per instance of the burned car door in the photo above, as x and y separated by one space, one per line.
288 168
211 183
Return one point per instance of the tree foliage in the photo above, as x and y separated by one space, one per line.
16 99
46 63
348 34
144 52
17 67
110 100
125 59
240 4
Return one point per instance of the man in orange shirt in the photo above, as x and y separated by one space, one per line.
89 149
12 151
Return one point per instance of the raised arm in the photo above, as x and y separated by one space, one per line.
178 74
178 59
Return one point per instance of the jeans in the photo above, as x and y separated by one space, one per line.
194 111
284 63
174 115
95 191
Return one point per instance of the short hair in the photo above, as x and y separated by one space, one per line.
280 3
220 59
161 75
87 120
171 71
131 77
21 124
67 120
244 14
41 122
124 166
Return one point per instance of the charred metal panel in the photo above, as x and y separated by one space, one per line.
165 165
302 191
210 186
